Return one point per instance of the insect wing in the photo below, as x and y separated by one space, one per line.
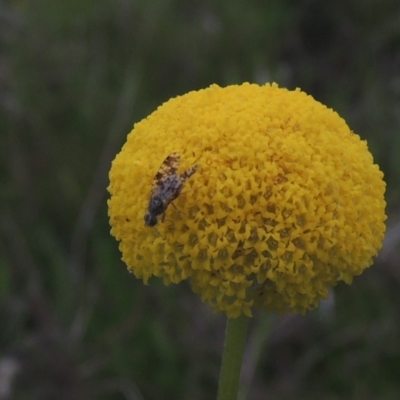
169 167
188 173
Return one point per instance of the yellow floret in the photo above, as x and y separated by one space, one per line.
286 203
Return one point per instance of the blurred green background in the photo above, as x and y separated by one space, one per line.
74 77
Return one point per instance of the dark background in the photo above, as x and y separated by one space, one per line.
74 77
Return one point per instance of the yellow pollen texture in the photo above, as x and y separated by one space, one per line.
287 200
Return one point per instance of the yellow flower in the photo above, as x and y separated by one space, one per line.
287 200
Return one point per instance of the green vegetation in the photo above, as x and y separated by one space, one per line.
75 76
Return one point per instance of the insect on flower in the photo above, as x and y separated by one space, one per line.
167 186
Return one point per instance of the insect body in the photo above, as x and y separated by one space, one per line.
167 186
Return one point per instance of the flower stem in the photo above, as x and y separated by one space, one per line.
235 340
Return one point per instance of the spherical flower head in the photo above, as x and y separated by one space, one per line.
285 203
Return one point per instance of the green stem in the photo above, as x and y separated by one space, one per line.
235 341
